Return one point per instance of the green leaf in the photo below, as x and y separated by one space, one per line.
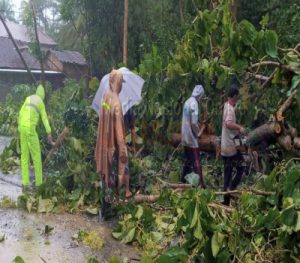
248 32
117 235
92 211
216 243
295 81
193 179
45 205
139 212
289 217
146 259
195 216
129 237
18 259
297 227
198 231
93 260
271 41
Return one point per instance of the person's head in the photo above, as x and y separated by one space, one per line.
233 94
115 80
198 92
40 91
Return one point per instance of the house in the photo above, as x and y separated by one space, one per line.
22 36
58 64
71 63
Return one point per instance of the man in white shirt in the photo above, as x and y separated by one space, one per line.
232 158
190 133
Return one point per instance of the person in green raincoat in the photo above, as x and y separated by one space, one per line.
29 115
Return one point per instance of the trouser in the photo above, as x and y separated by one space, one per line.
192 163
235 161
30 145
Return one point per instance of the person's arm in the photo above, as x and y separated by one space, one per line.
120 134
230 124
195 119
45 121
133 137
234 126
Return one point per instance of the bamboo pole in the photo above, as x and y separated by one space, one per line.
18 50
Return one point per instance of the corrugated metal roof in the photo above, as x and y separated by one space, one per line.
9 57
19 32
72 57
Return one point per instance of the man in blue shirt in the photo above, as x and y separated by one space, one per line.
190 133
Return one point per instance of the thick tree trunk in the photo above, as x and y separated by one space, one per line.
207 142
264 133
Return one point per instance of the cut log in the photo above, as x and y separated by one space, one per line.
285 142
207 142
145 198
296 143
264 133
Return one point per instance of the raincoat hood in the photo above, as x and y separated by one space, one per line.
115 81
40 91
198 91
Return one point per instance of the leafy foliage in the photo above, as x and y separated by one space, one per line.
185 226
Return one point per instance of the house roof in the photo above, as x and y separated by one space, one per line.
19 32
9 57
72 57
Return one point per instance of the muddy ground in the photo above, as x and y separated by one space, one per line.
25 237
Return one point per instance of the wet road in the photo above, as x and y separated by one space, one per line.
24 232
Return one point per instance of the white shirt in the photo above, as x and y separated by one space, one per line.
227 144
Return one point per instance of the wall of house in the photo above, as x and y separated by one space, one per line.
52 63
74 71
9 79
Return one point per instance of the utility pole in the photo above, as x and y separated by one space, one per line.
125 32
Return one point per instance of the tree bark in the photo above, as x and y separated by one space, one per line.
264 133
125 33
207 142
285 106
18 50
40 54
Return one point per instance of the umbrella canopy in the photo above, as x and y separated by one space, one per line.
131 93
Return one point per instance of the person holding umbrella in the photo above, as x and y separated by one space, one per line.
111 141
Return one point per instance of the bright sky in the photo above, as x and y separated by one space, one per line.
17 5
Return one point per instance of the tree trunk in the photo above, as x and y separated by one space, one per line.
264 133
40 54
207 142
125 33
18 50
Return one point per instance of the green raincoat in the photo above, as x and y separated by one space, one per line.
29 115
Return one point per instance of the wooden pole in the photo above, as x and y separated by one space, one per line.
18 50
40 55
125 33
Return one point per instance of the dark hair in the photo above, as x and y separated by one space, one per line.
234 90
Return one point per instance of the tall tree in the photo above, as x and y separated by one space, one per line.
6 9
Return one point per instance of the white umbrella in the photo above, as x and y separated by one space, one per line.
130 95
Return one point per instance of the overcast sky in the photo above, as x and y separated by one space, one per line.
17 6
